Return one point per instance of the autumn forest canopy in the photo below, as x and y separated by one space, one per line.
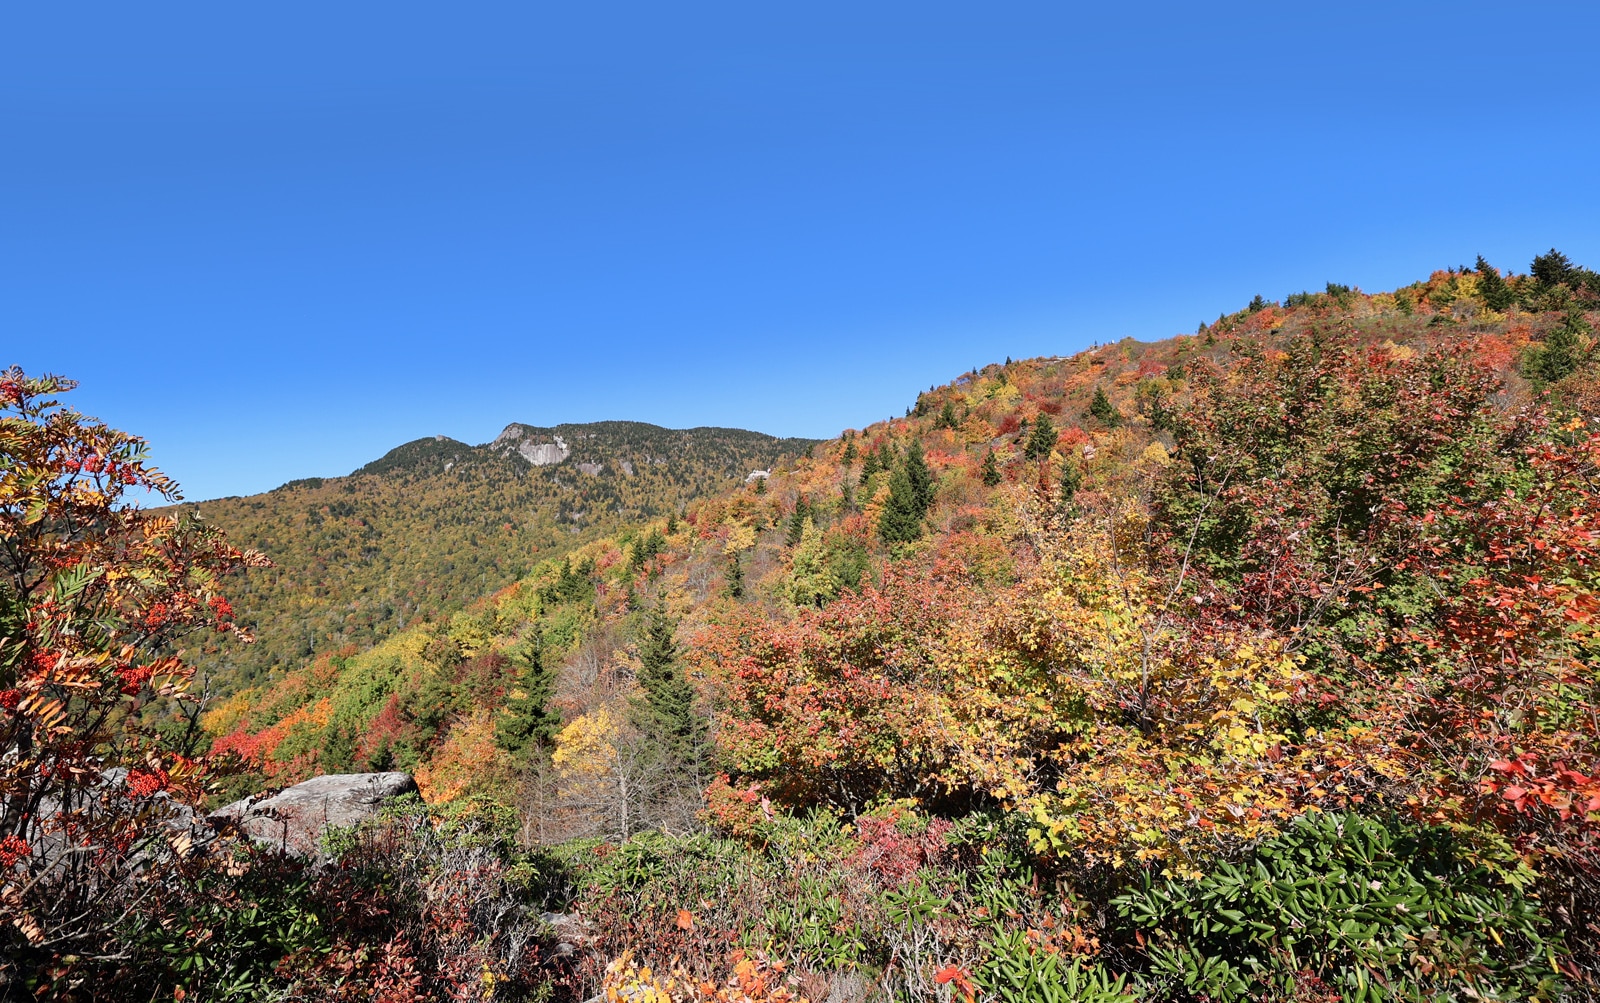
1258 663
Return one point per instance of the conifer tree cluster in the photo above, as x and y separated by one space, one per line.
910 497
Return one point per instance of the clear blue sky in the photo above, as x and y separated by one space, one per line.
278 239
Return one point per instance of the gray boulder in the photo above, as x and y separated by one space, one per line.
295 817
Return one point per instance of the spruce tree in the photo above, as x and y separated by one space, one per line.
847 459
735 576
797 521
991 469
947 417
1071 480
666 712
1103 410
1496 294
870 465
338 753
1561 352
1552 269
910 495
920 477
1043 439
529 725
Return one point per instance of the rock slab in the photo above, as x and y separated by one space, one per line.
295 817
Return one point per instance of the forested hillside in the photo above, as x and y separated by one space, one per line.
436 523
1253 664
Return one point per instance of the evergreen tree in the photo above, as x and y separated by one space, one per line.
338 750
1043 439
870 465
910 495
1561 352
646 547
947 417
735 576
1496 294
920 478
1071 480
797 521
572 584
1103 410
847 459
761 485
991 469
529 725
666 712
1552 269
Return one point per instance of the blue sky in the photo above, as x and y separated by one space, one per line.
278 240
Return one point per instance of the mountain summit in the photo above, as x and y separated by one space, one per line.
436 522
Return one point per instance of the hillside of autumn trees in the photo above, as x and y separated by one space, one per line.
1253 664
435 524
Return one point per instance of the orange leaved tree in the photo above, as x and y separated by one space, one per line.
94 594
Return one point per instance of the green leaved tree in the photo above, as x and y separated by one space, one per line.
529 726
665 713
1103 410
1043 439
871 465
1071 480
1561 353
910 497
1497 295
797 520
991 469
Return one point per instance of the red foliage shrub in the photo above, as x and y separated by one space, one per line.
892 853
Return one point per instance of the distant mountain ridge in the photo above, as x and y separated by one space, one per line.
436 522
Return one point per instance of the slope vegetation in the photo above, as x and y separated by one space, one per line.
1253 663
437 523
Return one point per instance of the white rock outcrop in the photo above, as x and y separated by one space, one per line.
534 448
542 454
295 817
